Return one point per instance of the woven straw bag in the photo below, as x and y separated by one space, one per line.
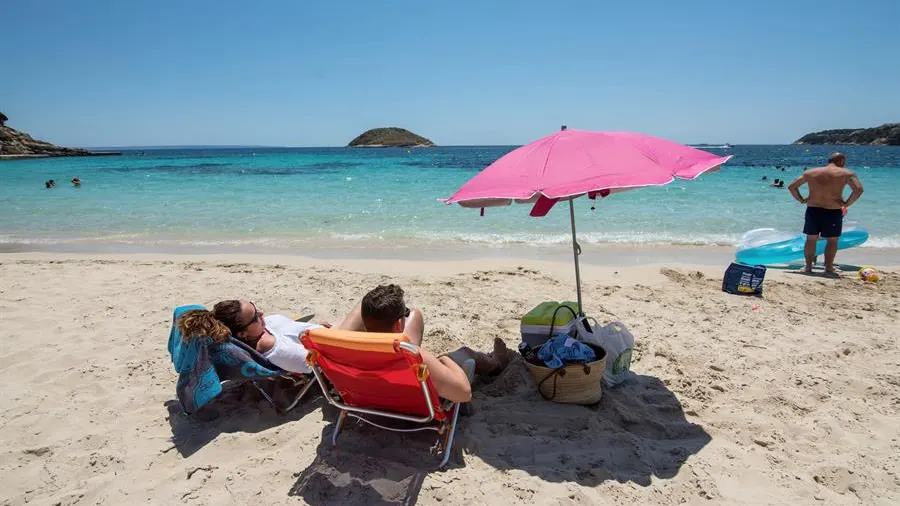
571 384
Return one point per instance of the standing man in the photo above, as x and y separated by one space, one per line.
824 213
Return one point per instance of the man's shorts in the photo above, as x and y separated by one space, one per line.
461 357
823 222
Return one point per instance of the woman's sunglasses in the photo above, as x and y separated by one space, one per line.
256 317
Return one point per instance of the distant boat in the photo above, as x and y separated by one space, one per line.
711 146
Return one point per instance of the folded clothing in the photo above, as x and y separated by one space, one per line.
563 349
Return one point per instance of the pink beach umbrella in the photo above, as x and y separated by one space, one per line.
572 163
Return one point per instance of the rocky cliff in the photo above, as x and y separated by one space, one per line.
389 137
16 144
884 135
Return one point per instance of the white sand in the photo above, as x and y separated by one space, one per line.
792 402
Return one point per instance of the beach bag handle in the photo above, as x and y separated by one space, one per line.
559 372
553 319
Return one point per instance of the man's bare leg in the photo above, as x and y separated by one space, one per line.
809 251
830 252
485 363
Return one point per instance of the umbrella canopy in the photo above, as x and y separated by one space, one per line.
571 163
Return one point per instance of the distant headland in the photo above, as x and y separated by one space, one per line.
389 137
15 145
884 135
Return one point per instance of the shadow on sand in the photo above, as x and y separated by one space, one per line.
368 466
818 270
636 432
240 408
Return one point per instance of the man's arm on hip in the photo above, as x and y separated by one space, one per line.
856 188
794 188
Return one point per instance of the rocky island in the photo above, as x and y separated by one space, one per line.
389 138
884 135
16 145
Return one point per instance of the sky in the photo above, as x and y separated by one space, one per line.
501 72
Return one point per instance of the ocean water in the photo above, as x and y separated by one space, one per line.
282 198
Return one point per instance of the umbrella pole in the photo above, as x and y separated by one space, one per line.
576 249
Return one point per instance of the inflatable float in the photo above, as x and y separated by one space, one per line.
767 246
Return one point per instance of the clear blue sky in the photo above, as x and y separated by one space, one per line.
304 73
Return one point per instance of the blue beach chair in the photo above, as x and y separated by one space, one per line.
205 367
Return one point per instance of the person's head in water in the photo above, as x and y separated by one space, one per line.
764 178
838 159
383 309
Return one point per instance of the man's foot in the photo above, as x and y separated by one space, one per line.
807 270
501 354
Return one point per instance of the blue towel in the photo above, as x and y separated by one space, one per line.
563 349
202 365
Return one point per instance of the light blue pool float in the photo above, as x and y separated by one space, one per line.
767 246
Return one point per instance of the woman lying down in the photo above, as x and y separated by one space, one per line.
277 337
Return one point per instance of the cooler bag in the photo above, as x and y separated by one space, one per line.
743 279
548 318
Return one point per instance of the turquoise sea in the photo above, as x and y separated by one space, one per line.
296 198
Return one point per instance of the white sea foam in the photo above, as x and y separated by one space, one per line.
399 240
531 239
890 241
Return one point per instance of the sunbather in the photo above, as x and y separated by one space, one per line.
275 337
384 310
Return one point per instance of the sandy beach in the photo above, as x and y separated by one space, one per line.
787 399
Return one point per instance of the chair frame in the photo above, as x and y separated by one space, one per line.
446 428
296 378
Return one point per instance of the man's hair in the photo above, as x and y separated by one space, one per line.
381 307
838 159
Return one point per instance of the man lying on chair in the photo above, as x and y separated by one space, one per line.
383 309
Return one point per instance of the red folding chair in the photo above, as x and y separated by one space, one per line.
380 375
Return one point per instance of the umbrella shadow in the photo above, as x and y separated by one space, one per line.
367 466
636 432
239 408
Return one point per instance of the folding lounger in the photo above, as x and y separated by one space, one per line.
205 367
380 376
